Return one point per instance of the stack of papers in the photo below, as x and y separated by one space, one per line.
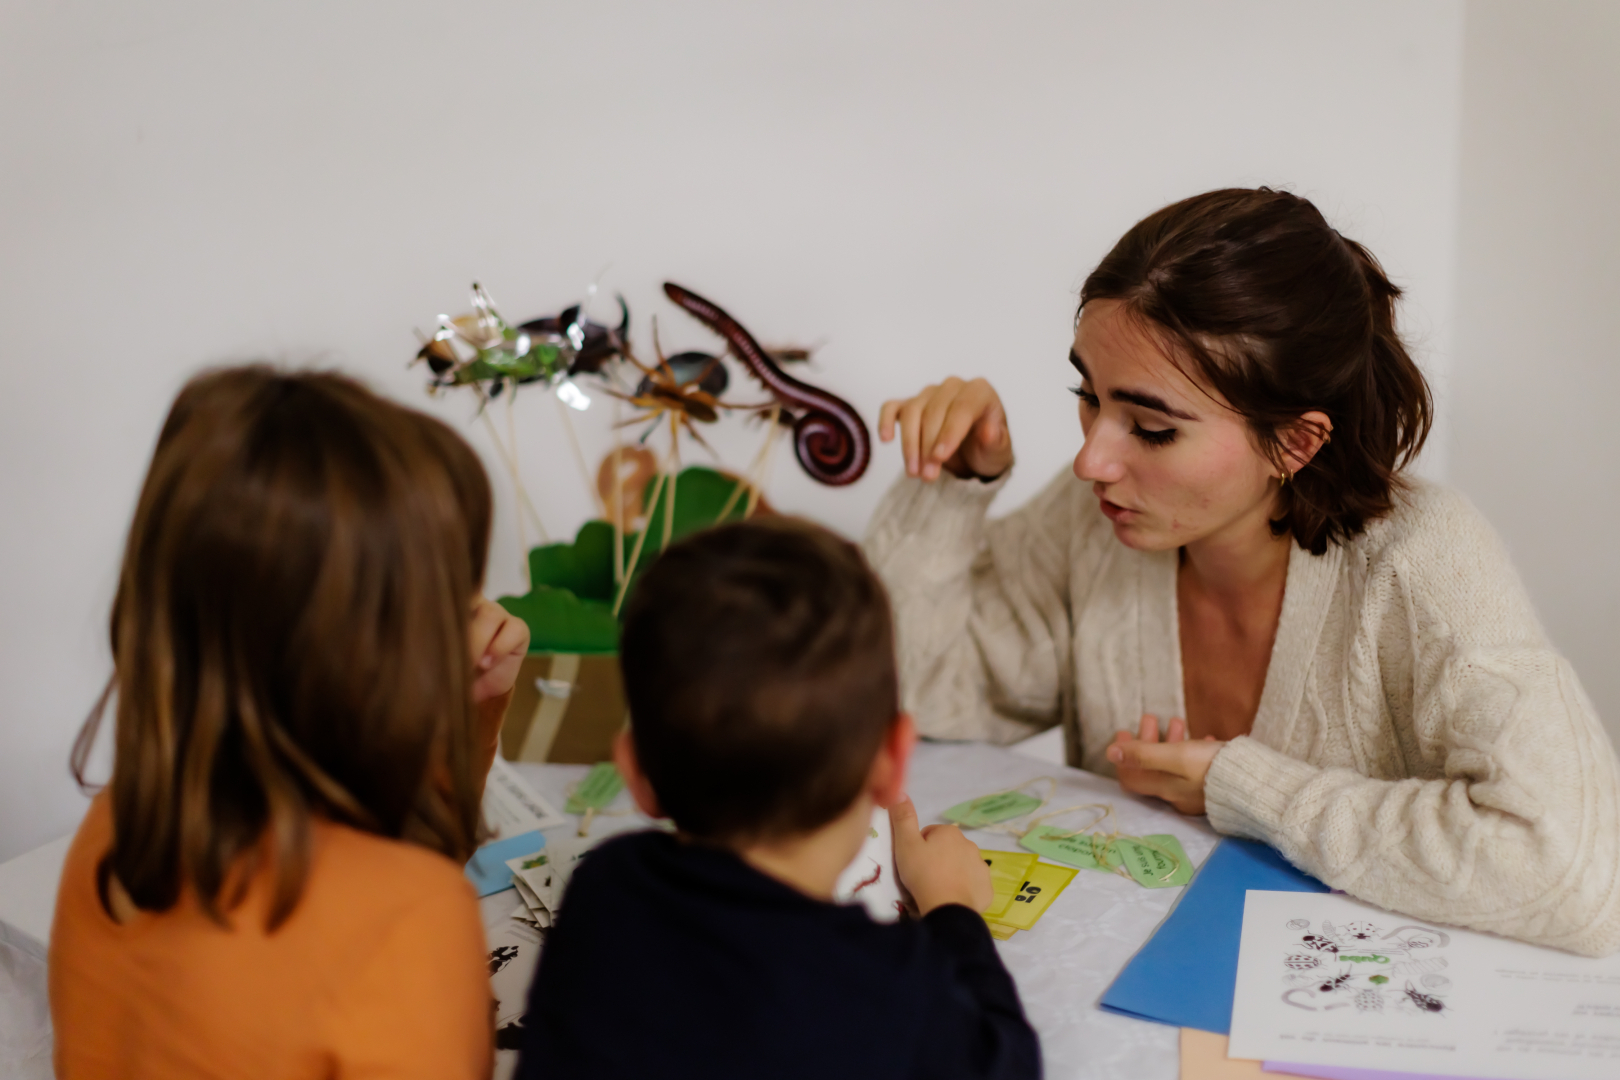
1024 888
540 879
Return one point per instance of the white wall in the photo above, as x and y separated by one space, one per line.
921 184
1537 380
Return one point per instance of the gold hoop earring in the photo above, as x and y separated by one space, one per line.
1282 481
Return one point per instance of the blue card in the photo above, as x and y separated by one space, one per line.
1186 973
487 868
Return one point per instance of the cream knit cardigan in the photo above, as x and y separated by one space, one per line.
1418 744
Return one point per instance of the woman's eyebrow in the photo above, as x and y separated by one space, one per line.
1133 397
1149 401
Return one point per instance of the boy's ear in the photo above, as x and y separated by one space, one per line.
629 766
887 780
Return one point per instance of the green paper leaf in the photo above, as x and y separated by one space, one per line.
569 607
560 622
584 568
1151 868
600 787
1052 843
1148 867
989 809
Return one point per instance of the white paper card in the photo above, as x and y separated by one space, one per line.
1327 980
512 807
870 878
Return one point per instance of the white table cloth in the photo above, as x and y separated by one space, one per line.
1062 966
1065 963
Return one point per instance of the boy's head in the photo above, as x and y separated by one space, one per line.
759 665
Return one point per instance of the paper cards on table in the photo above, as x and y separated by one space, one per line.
512 807
1327 980
487 869
541 878
870 879
1022 888
1185 972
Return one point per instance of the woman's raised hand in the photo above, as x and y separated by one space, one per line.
958 426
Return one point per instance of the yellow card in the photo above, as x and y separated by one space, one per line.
1040 887
999 931
1008 869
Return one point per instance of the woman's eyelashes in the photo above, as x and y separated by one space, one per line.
1150 436
1162 437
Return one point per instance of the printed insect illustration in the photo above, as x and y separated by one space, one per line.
1425 1002
877 874
1362 959
829 436
1336 982
499 958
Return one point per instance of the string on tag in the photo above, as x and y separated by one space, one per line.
1003 826
1101 841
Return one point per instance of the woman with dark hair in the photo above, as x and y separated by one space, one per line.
1347 663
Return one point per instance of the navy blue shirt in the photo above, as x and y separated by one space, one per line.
676 959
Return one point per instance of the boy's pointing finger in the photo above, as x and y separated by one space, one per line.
903 820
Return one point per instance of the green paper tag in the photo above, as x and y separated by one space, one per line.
1051 842
600 787
1154 869
989 809
1148 867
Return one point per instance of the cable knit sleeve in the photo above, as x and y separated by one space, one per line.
981 608
1506 818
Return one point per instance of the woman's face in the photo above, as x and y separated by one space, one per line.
1169 461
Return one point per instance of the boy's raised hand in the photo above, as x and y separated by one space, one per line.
938 864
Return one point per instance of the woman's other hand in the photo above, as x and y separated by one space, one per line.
958 426
498 641
1172 769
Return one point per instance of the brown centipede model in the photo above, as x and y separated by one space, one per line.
829 436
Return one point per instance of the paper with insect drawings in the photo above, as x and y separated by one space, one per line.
512 807
870 880
1327 980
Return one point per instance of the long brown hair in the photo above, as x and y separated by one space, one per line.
289 637
1282 315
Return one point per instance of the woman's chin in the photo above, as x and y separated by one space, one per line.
1139 537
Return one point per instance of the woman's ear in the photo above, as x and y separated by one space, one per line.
1303 438
887 780
629 766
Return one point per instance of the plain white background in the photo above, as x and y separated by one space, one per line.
919 187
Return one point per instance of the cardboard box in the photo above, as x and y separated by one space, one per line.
566 708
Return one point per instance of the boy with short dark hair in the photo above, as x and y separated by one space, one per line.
759 665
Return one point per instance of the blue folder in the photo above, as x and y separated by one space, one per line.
1186 973
487 869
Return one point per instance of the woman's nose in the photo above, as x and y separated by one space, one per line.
1098 461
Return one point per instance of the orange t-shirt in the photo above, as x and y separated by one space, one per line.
380 971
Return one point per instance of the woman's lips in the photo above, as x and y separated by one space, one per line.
1113 511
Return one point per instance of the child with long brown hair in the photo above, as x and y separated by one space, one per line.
309 688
